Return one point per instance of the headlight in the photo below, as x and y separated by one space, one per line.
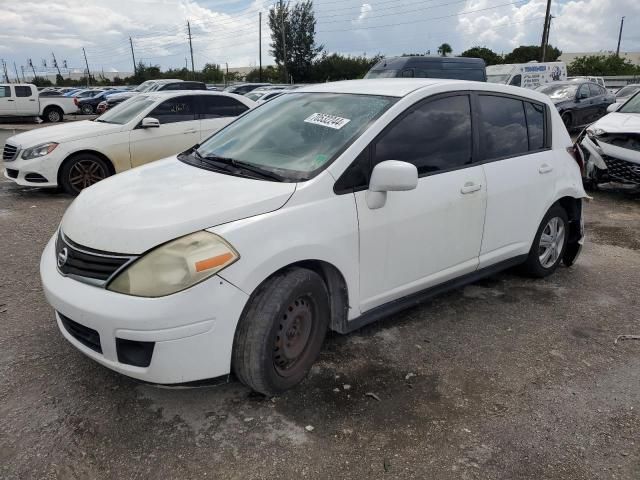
175 266
39 150
596 132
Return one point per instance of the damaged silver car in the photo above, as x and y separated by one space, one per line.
611 146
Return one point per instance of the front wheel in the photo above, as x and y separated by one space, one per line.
281 331
81 172
549 244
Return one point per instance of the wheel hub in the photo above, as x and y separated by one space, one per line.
85 173
551 242
294 331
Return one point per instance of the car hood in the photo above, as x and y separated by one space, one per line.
619 123
63 133
147 206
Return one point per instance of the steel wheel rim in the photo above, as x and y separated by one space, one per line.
85 173
551 242
293 335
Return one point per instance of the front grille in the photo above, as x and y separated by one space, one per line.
9 153
86 264
12 173
622 170
85 335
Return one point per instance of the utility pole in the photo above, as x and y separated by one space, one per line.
87 64
133 56
284 44
15 67
545 33
620 37
190 46
35 77
260 44
55 63
4 68
22 70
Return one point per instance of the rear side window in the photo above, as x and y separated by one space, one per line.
22 91
178 109
213 106
595 90
503 127
434 136
5 92
535 125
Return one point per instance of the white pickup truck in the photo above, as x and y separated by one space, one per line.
22 100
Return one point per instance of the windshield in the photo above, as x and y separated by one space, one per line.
144 86
498 78
632 105
255 95
560 92
126 111
627 91
382 74
296 134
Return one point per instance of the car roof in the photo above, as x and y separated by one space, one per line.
163 95
390 87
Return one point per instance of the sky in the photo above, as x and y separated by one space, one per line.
226 31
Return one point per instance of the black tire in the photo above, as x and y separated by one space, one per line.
533 266
263 359
86 110
82 171
53 115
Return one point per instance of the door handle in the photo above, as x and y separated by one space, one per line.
544 168
470 187
10 100
189 131
32 100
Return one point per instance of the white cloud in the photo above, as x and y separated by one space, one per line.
365 11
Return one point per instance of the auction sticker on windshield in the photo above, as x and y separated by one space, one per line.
327 120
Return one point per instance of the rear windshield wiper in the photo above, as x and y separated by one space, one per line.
239 165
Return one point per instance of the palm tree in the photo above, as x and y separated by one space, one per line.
444 49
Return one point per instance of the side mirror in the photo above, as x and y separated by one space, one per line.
150 122
613 107
390 176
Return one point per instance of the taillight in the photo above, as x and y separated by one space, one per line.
75 100
576 152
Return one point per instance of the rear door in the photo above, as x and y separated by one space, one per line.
216 111
26 100
179 129
519 166
7 101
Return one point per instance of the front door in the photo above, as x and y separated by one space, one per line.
432 234
7 102
179 130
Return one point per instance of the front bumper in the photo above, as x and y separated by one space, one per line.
192 331
37 172
620 164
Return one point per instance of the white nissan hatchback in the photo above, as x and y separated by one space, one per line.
326 208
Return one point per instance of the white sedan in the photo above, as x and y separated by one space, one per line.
145 128
326 208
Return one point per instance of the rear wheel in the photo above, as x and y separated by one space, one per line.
87 109
53 115
549 244
82 171
281 331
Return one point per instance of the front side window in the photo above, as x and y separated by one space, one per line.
584 91
298 134
22 91
390 73
5 92
214 106
516 81
503 127
433 136
174 110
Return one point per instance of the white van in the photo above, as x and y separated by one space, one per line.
527 75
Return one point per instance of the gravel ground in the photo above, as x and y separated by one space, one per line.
508 378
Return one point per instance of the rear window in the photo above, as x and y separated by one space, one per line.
214 106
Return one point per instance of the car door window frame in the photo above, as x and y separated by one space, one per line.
189 99
475 105
341 186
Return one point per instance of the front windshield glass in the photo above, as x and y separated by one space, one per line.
560 92
382 74
632 105
498 78
627 91
144 86
298 133
126 111
255 95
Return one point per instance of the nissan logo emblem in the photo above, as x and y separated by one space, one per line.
62 257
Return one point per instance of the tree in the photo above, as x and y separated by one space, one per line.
269 74
489 56
602 65
444 49
299 24
333 67
529 53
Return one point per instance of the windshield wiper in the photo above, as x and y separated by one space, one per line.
239 165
